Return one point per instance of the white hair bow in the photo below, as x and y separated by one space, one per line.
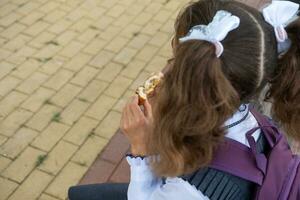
279 14
216 31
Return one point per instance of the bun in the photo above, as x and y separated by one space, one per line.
148 87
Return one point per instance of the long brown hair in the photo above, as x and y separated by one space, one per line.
200 91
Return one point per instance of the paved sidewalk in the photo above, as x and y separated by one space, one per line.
66 69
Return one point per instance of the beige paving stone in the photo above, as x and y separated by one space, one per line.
69 176
143 18
117 44
4 162
47 52
58 157
71 49
66 37
7 8
53 65
6 68
78 62
81 130
159 39
131 30
4 54
133 69
95 46
95 12
38 179
60 26
123 20
42 118
6 187
88 35
139 80
172 5
123 100
101 59
17 42
81 25
89 150
83 77
162 16
49 6
36 28
32 18
3 139
65 95
54 16
110 33
16 144
168 27
153 8
73 111
116 11
13 122
103 22
21 55
59 79
108 3
151 28
7 84
166 51
92 91
101 107
46 197
40 40
50 136
32 83
109 125
139 41
110 71
28 7
10 102
23 165
156 64
24 70
76 14
125 56
127 2
134 9
9 19
37 99
118 87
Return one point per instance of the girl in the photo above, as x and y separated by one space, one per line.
218 68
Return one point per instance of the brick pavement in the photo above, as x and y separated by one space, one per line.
67 68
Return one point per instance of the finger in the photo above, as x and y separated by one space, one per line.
129 114
137 112
148 109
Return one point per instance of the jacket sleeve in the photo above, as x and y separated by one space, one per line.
144 185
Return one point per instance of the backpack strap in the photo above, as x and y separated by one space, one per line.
246 163
237 159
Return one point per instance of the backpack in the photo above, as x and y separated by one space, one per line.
276 173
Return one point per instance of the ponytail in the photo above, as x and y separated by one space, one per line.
194 101
285 87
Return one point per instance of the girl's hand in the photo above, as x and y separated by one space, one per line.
136 125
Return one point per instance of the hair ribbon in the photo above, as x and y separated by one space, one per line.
216 31
280 14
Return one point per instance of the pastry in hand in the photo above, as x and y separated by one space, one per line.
148 87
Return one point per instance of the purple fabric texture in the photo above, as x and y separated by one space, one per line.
277 173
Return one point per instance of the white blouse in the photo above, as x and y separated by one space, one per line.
144 185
